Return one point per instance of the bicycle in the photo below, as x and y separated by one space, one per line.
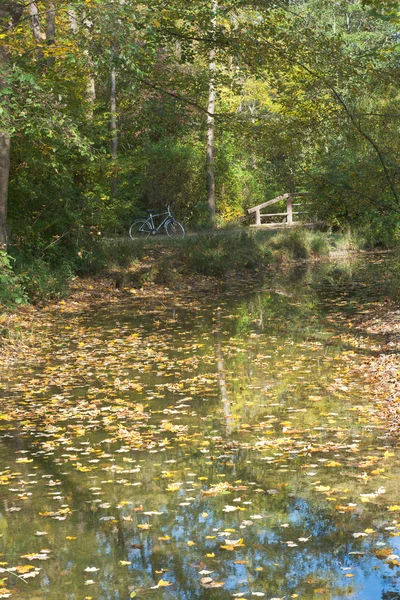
142 228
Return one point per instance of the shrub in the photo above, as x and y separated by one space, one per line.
44 281
319 243
102 255
12 290
292 244
219 255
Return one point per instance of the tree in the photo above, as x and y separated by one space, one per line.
10 14
211 120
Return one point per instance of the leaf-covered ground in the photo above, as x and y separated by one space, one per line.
383 369
201 442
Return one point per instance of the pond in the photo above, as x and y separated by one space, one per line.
219 446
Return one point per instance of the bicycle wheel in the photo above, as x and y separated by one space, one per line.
139 229
175 230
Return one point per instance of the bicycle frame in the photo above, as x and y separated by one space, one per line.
141 228
151 218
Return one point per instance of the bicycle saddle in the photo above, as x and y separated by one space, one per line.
152 212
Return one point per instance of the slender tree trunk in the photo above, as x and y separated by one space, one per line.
35 22
91 89
51 28
114 131
4 176
91 86
37 30
5 144
10 14
73 21
51 23
211 123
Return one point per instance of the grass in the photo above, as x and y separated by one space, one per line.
221 255
127 262
135 263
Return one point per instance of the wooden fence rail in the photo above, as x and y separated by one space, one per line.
289 209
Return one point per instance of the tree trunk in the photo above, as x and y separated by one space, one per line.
73 21
91 89
37 31
35 22
10 13
91 86
4 152
51 29
211 123
114 131
4 176
211 138
51 23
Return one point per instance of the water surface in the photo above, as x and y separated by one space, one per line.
218 447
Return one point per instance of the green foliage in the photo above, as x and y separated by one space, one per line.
306 100
12 290
387 9
293 244
299 243
46 281
172 173
238 179
103 255
219 255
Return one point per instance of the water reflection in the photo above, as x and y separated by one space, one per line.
229 421
201 450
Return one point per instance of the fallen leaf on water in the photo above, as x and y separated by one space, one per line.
163 583
384 552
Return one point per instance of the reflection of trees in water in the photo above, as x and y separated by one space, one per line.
314 564
229 420
284 570
104 544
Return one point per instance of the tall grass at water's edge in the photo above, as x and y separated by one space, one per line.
162 260
221 255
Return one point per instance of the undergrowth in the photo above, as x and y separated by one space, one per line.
26 278
12 291
220 256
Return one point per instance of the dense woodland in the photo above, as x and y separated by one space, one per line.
110 107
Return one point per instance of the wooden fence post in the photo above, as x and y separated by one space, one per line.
289 218
258 217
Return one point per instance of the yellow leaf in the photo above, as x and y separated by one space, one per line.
173 487
384 552
163 583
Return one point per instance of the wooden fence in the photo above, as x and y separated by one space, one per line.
287 216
